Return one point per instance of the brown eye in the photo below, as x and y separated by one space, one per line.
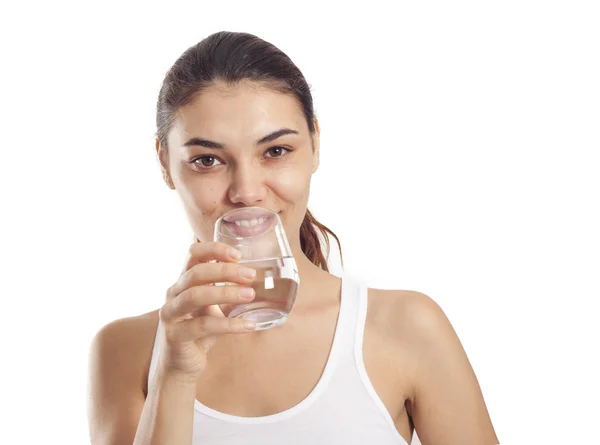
205 161
277 152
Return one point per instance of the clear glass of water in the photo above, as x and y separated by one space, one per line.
259 235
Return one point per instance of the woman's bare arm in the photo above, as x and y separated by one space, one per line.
168 414
119 412
448 406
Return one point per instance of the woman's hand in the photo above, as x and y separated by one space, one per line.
191 318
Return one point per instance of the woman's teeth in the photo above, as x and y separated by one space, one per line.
250 222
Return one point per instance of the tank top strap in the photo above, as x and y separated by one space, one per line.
354 295
155 352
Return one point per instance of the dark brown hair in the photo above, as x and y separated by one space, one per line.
232 57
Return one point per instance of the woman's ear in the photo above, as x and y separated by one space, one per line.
163 160
316 139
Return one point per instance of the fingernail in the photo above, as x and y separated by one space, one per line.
234 253
246 292
247 272
250 325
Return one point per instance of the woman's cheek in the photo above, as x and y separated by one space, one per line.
289 185
207 197
292 180
201 195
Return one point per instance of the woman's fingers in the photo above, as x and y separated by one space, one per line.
204 326
197 297
209 251
210 273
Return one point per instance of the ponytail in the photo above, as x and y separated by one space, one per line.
311 243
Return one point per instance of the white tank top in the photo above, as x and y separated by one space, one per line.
343 407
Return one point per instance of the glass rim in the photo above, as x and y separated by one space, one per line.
218 223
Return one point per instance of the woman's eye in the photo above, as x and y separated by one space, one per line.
209 161
277 152
206 161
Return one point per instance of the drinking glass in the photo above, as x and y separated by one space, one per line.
259 235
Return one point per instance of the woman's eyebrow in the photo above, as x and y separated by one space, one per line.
276 134
211 144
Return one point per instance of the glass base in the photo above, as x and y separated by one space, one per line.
265 317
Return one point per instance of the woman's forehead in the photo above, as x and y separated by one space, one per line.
238 114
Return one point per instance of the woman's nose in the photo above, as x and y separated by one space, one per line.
247 186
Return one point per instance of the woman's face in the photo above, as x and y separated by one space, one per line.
241 146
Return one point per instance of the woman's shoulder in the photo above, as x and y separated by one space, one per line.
406 315
414 332
407 302
129 329
125 345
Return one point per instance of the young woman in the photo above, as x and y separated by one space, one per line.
351 365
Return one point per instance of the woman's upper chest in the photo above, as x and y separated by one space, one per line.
277 369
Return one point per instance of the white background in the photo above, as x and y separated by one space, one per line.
460 146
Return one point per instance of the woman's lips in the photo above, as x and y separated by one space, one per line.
247 231
249 215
